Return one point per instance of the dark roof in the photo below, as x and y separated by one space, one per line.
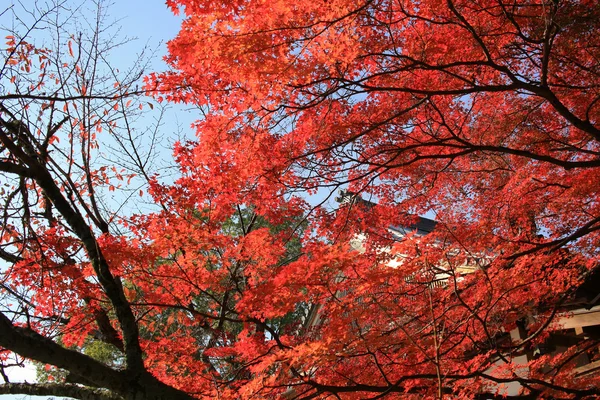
422 227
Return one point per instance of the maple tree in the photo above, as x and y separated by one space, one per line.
59 101
483 113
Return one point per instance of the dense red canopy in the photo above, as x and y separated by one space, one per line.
483 114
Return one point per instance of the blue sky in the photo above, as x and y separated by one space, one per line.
149 21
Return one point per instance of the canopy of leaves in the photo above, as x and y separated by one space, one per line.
483 113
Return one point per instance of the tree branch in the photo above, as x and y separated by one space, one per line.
58 389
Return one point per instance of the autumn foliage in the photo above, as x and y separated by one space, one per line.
249 283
